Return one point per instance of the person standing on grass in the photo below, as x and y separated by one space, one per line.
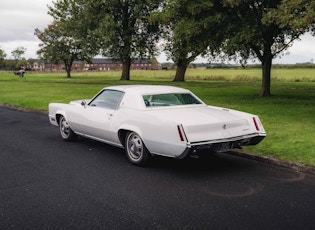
21 72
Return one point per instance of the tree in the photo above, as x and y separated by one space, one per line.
191 28
77 21
67 38
126 30
119 29
2 54
57 45
254 34
297 14
2 57
18 52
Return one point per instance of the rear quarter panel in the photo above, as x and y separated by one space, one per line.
160 136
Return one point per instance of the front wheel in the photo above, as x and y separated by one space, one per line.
65 131
135 149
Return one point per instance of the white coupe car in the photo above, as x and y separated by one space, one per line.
151 120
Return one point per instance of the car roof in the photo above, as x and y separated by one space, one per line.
148 89
133 93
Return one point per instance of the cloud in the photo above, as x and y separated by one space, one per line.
20 18
302 51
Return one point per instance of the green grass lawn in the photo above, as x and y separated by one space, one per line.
288 116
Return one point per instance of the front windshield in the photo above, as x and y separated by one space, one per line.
170 99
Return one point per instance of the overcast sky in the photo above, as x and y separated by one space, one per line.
19 19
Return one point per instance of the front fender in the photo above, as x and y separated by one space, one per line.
55 110
54 119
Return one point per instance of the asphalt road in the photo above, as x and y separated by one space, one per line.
47 183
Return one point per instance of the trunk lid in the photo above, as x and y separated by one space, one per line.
204 123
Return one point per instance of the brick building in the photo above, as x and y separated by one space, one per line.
109 64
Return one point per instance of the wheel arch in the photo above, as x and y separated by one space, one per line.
124 130
59 114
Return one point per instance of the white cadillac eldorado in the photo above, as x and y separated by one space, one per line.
151 120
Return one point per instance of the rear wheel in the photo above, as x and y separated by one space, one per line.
65 131
135 149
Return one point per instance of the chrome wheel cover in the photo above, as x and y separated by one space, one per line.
64 128
134 147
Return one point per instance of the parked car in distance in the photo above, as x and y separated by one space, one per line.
148 120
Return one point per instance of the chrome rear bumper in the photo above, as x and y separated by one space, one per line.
219 146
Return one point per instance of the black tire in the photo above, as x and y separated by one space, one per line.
65 131
135 149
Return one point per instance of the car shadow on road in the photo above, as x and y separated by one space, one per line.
207 162
212 162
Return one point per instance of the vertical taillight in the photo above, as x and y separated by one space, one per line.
256 123
180 133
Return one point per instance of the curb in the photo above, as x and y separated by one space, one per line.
270 160
8 106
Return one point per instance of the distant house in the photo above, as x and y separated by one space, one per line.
35 65
109 64
99 64
29 65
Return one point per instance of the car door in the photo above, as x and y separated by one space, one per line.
96 117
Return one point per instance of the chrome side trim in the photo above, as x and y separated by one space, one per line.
100 140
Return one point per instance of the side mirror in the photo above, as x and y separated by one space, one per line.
83 103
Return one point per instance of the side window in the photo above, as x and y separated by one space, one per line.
108 99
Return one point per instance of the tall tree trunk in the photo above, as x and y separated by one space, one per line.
125 75
266 76
68 65
181 70
68 73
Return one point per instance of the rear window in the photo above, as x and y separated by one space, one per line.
170 99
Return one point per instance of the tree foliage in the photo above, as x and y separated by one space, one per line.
255 35
295 14
2 57
64 38
18 52
58 45
76 21
190 29
2 54
119 29
124 31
